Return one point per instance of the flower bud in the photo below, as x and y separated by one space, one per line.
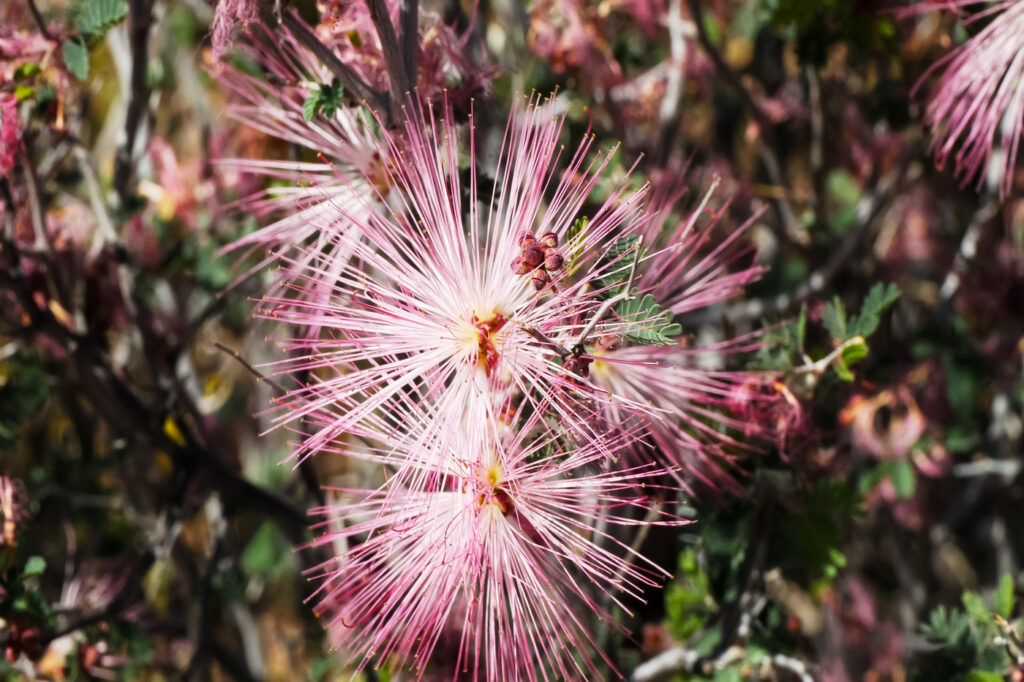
540 279
527 239
553 260
532 256
549 239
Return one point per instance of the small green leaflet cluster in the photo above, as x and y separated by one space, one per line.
655 327
964 641
94 18
326 100
833 317
575 240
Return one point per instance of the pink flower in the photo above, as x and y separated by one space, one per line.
227 17
507 554
10 133
978 99
429 296
297 209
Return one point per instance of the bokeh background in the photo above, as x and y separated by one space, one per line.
150 530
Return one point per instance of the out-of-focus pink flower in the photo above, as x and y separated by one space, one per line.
979 98
508 551
10 133
890 438
229 16
445 63
13 513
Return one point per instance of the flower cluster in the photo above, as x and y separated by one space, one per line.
512 364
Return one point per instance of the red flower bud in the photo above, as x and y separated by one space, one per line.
549 239
540 279
527 239
532 256
553 260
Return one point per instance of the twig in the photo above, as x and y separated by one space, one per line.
623 295
393 57
967 251
252 370
38 17
409 26
679 31
140 18
348 78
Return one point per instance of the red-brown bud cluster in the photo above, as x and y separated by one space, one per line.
23 638
538 258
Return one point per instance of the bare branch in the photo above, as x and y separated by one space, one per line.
393 57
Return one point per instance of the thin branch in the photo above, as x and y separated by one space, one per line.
140 18
393 57
38 17
623 295
252 370
348 78
409 26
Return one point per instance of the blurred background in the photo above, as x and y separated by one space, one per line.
150 530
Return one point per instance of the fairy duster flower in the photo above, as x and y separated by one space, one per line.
978 100
507 555
460 299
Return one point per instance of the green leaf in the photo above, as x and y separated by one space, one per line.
904 480
34 566
617 264
975 607
76 57
833 316
983 676
1004 597
267 555
853 353
648 324
99 16
574 242
311 106
879 299
23 92
26 70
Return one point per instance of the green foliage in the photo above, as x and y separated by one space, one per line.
326 100
93 19
846 331
964 643
879 299
575 240
267 555
652 326
76 57
783 347
35 565
688 601
96 17
618 263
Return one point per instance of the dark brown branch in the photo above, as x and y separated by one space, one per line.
38 17
409 26
393 57
140 18
348 78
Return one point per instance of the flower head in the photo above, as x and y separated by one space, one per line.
979 98
10 132
507 554
434 297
